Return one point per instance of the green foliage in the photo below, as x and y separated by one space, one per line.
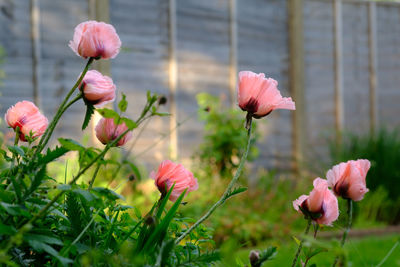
224 138
383 150
48 221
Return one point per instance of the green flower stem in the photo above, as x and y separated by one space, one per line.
225 196
347 230
47 134
17 133
301 243
56 119
94 175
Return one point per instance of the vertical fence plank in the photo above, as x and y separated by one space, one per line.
338 65
36 55
296 77
232 51
372 67
173 78
99 10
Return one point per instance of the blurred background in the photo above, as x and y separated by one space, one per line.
339 60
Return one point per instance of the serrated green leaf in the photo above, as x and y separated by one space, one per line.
53 154
88 115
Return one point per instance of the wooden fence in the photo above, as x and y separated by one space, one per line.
339 60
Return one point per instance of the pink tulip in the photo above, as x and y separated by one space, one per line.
170 173
95 39
260 96
107 131
347 179
28 118
97 89
321 204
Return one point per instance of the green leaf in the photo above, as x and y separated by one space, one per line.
70 144
64 187
37 179
159 232
16 150
296 240
235 191
15 210
7 229
108 113
74 213
123 104
107 193
85 194
53 154
40 246
43 238
89 112
129 123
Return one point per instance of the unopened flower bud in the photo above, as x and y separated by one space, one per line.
254 257
162 100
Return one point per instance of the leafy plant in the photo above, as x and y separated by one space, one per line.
224 139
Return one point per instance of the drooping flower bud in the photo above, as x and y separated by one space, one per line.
95 39
347 179
107 131
27 117
97 89
170 173
259 96
321 205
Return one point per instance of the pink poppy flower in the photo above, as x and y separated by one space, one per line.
97 89
95 39
170 173
107 131
347 179
259 95
321 204
28 118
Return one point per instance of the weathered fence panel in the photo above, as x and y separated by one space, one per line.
183 47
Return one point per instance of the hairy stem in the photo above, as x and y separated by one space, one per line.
347 230
228 189
301 244
47 134
94 175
